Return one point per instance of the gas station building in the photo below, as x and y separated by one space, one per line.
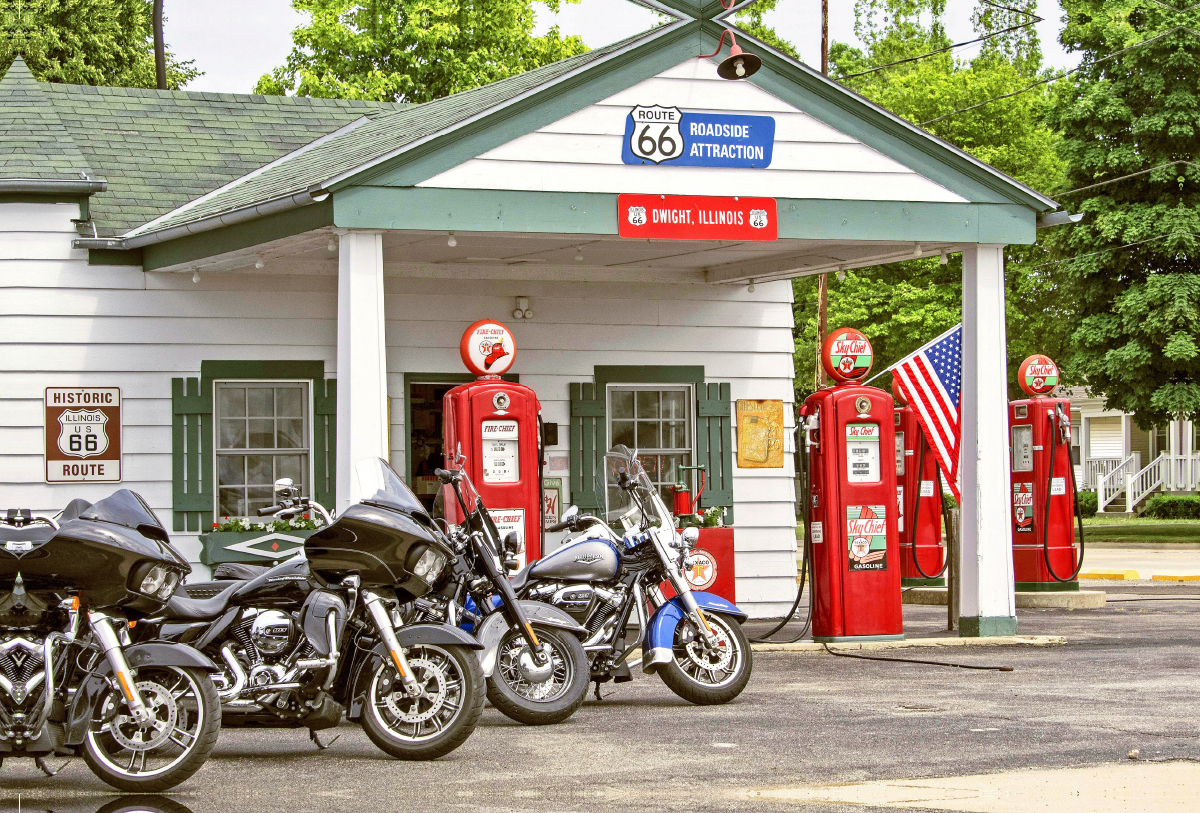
278 286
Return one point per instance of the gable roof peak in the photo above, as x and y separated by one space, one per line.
18 73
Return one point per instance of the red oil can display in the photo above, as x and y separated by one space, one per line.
491 431
919 498
849 432
1044 493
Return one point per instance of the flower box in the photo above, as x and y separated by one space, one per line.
260 543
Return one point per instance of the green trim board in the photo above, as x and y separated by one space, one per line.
488 210
107 256
972 626
851 639
1047 587
605 374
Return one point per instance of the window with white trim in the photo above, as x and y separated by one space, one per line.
659 422
263 433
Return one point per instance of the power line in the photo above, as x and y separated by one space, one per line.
1130 175
1108 250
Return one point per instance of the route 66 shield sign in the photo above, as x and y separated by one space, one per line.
83 434
655 135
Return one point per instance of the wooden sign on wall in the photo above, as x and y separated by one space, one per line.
760 434
83 435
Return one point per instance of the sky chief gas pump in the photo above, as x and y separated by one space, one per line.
851 511
492 431
1045 500
919 499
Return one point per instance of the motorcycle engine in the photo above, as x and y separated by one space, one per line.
273 632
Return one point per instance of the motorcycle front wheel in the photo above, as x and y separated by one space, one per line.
434 722
184 722
704 675
520 690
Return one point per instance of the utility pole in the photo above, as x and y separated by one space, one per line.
160 50
823 281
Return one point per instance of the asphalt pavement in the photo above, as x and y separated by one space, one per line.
1126 679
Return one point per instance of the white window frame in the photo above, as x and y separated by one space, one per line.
216 435
689 391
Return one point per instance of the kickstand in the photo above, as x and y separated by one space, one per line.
321 746
598 697
41 763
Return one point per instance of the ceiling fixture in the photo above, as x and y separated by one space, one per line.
943 259
579 254
196 275
750 287
331 246
450 241
739 64
917 250
258 262
841 274
522 311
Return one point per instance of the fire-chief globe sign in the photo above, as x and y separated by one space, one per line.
83 434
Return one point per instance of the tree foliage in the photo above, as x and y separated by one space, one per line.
86 42
413 50
1130 119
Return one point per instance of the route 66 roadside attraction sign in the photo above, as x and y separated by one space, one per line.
83 435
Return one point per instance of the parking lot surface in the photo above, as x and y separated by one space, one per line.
1127 679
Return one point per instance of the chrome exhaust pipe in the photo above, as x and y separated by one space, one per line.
239 675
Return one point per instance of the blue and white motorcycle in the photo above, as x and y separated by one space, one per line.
605 580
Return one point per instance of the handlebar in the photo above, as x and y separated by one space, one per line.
447 476
562 526
269 510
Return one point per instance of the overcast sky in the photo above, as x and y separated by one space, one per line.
236 41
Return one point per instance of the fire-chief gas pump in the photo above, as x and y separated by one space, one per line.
919 498
492 430
849 435
1045 500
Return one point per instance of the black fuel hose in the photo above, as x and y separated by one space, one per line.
918 660
917 513
1054 420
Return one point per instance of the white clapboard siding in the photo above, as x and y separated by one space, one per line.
34 217
582 151
1106 438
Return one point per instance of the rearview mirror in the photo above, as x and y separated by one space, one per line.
284 487
571 512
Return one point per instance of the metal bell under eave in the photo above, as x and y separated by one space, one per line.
739 64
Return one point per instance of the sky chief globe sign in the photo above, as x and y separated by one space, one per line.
487 348
1038 375
846 355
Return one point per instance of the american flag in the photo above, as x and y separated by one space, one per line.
930 380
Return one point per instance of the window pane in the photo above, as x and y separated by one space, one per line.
262 433
622 404
650 464
674 435
232 470
259 497
259 470
648 435
289 433
289 402
293 466
674 404
623 434
233 434
231 503
260 401
647 404
232 402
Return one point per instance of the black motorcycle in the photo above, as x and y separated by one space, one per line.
536 669
313 639
145 716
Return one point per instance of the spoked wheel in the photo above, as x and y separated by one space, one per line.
439 718
185 719
539 694
708 675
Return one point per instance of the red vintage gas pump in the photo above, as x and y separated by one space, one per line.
491 431
852 517
1045 499
919 495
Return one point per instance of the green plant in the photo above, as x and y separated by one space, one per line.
1166 506
712 518
1088 504
279 526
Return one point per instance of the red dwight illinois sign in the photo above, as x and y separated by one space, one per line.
688 217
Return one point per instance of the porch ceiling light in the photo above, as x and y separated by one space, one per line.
750 287
196 275
841 274
331 246
522 311
259 263
943 260
579 254
451 241
739 64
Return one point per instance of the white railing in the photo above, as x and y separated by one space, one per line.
1146 481
1096 468
1112 484
1181 472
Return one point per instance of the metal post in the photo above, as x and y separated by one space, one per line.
160 48
954 569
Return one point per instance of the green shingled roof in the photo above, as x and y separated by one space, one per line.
158 149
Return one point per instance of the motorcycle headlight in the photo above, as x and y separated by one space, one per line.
153 581
429 565
168 586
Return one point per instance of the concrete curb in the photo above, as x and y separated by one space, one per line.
931 643
1175 578
1073 600
1111 575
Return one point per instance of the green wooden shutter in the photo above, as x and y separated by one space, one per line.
191 455
714 445
588 431
325 442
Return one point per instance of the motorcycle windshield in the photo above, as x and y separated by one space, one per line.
634 501
125 508
382 486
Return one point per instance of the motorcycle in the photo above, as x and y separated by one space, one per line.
315 638
536 669
693 640
144 716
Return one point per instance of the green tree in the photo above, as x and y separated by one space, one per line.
1130 120
86 42
413 50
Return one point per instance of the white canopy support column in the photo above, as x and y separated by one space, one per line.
988 601
362 416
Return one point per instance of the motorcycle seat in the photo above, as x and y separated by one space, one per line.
238 571
182 608
518 579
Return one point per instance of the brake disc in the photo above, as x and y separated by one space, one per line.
138 737
414 714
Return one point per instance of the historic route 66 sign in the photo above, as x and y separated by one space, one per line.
758 219
655 135
83 434
637 215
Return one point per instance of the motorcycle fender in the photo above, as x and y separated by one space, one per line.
660 632
417 634
491 631
94 685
